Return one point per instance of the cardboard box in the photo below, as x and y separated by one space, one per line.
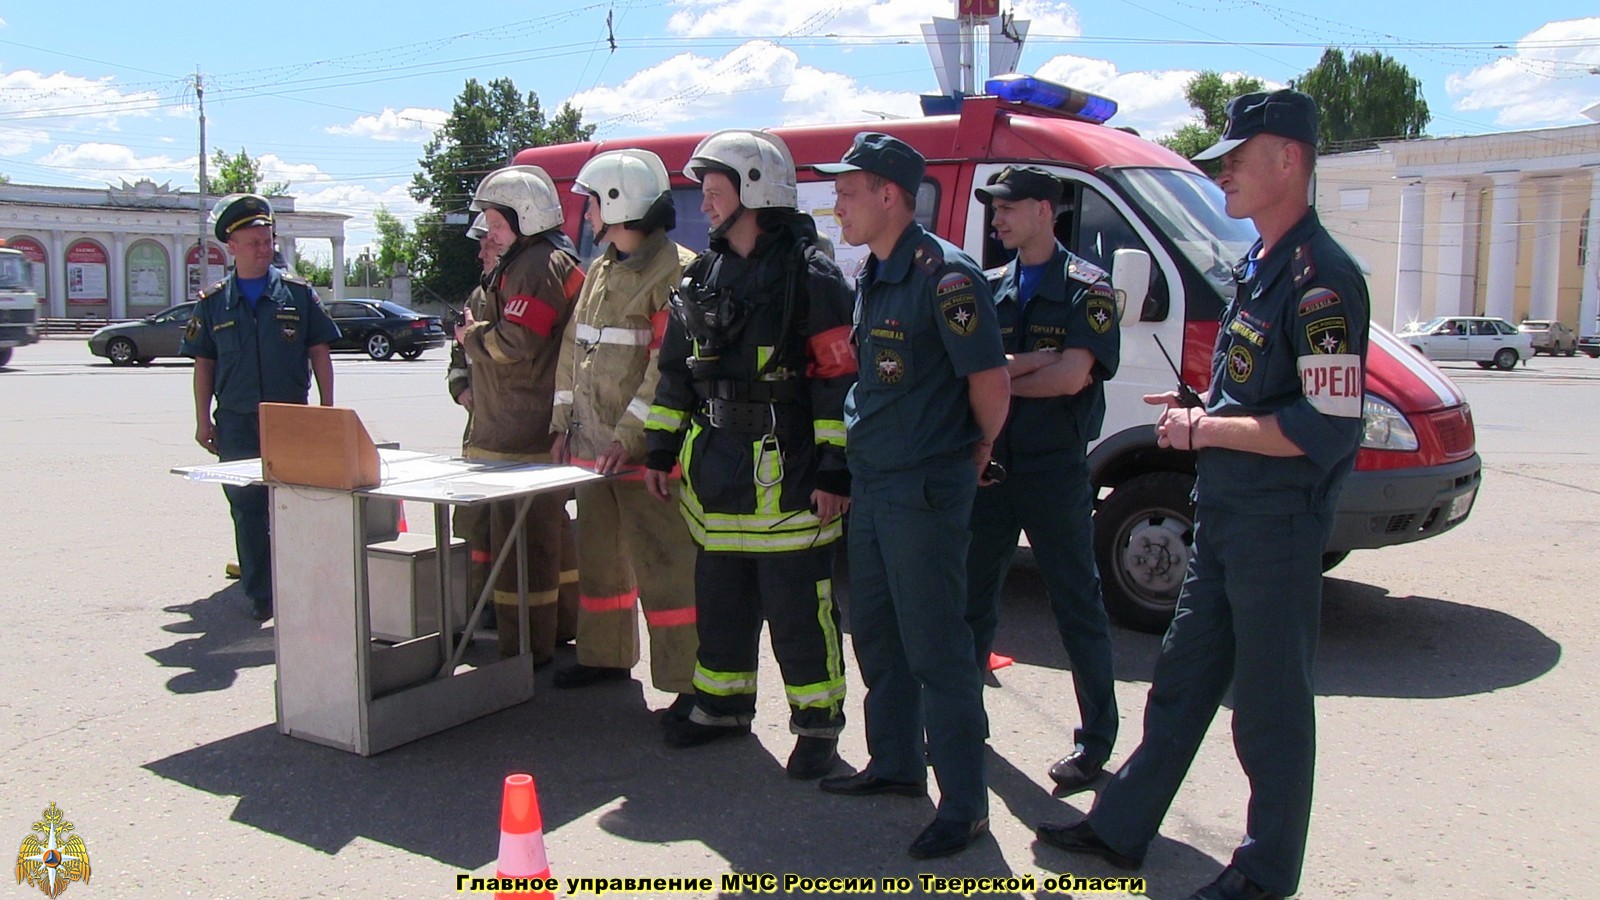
316 446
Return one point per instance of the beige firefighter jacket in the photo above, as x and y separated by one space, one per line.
513 351
607 376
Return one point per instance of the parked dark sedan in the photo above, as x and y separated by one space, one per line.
382 328
142 340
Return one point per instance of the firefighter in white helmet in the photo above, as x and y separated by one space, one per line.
754 371
632 550
513 350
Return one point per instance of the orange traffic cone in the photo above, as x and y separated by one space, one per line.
996 661
400 520
521 837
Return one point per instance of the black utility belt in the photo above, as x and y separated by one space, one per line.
748 418
758 392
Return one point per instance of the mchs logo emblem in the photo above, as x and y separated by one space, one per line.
53 858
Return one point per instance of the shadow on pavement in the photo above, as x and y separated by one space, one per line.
1373 644
225 640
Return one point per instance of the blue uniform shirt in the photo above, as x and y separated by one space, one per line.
1072 307
261 354
1293 342
924 321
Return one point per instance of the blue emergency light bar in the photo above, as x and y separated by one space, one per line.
1051 97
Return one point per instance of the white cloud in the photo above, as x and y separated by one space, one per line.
705 18
1549 81
412 124
30 100
359 201
750 85
112 163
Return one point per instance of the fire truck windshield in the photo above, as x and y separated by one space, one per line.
14 274
1188 208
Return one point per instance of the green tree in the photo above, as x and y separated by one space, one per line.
241 174
396 243
488 124
1208 93
313 270
1368 98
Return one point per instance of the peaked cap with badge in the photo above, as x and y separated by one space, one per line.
236 211
1285 113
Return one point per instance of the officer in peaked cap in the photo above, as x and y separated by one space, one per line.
920 422
1058 320
1275 440
256 337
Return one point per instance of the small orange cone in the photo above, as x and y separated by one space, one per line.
996 661
400 519
521 838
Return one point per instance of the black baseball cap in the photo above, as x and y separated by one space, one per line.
1021 183
883 155
1285 113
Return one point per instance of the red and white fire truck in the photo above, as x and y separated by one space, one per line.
1158 224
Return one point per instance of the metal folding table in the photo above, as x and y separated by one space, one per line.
336 685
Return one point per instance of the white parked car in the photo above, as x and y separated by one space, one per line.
1485 340
1550 336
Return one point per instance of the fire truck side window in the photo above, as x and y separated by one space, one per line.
1101 231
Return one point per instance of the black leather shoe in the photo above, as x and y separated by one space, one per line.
1233 885
261 610
813 757
581 675
1080 838
1075 771
678 711
944 837
689 733
863 785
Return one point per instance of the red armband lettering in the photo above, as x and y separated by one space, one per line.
832 354
532 313
658 328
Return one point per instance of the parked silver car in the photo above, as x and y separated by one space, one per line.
126 343
1550 336
1485 340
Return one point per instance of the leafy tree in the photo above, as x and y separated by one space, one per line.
1365 99
1208 93
241 174
313 270
488 124
363 271
5 179
396 243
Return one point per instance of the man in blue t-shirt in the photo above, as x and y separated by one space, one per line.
1058 320
256 337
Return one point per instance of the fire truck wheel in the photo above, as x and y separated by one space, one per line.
1143 536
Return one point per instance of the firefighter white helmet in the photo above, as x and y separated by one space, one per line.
479 227
759 161
626 184
526 191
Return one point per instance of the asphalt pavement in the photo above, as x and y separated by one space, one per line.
1458 681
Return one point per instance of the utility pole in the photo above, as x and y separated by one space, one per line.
203 258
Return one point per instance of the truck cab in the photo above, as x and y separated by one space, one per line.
1159 226
19 305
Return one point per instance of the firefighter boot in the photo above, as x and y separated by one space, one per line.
813 757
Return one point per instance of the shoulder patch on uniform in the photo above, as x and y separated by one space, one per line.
1316 300
928 255
214 290
952 282
1330 335
1080 269
1302 265
1100 308
192 330
960 311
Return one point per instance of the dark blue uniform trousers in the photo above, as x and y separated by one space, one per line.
1056 509
239 437
908 597
1248 616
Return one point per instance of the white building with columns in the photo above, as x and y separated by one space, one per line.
1498 224
129 251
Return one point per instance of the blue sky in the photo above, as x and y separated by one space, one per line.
338 98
